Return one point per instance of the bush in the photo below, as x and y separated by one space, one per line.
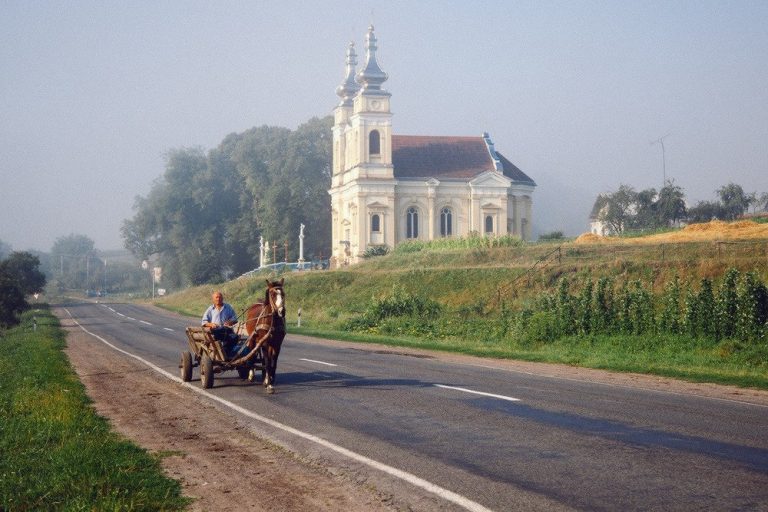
376 250
554 235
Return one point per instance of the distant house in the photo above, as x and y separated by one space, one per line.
386 189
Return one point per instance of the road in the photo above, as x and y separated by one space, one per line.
483 434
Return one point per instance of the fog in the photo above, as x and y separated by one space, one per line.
93 94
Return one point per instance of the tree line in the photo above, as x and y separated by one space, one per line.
627 209
203 219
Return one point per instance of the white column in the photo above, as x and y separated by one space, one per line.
301 244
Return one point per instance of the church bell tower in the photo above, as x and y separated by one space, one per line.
362 158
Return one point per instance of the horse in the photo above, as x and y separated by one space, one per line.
265 326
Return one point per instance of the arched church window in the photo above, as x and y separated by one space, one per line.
446 222
374 142
375 223
488 224
411 223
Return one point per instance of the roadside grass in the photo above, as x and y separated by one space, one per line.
57 453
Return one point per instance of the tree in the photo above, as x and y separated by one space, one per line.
733 200
760 203
19 276
617 210
69 255
645 208
670 206
25 268
705 211
203 219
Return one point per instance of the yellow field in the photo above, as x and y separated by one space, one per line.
709 231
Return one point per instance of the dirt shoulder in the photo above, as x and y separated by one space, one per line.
223 464
218 461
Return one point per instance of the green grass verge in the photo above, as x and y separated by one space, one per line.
57 453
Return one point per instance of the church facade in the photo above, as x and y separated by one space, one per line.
386 188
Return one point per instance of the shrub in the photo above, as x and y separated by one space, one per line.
554 235
376 250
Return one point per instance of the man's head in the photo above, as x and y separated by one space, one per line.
217 298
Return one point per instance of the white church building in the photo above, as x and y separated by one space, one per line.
387 188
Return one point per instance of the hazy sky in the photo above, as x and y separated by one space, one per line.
93 94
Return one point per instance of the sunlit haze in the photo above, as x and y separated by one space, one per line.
93 94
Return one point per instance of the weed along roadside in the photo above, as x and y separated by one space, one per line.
694 309
57 453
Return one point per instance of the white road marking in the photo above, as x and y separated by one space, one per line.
318 362
398 473
120 314
130 318
465 390
147 323
168 329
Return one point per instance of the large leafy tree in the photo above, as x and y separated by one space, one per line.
203 220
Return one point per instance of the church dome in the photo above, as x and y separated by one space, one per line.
371 77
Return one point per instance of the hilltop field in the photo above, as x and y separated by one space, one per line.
636 304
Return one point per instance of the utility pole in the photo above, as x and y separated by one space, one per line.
660 140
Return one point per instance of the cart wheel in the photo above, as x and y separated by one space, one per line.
206 372
242 371
186 366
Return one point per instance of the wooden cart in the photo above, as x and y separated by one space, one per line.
208 353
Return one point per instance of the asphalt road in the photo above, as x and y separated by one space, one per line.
498 438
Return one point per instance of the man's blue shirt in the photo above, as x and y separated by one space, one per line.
219 316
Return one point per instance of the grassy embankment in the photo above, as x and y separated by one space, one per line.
481 290
57 453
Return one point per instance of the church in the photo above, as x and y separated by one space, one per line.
387 189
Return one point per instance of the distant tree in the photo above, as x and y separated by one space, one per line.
733 200
705 211
69 260
760 202
645 214
617 212
670 206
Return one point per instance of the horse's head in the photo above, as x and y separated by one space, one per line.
276 296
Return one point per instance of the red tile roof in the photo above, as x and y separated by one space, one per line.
418 156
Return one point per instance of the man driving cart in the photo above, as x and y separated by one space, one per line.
219 318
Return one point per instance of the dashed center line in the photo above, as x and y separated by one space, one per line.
465 390
318 362
145 323
168 329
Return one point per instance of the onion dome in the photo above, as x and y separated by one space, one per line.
371 77
348 88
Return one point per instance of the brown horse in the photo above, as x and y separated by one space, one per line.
265 326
